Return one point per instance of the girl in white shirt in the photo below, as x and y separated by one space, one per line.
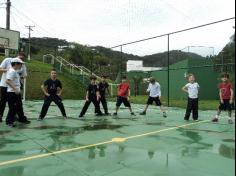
192 88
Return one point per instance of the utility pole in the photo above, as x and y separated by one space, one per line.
8 9
30 29
8 20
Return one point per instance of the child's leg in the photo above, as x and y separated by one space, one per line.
46 104
104 104
58 102
195 109
11 97
118 103
127 104
85 108
97 107
20 111
188 110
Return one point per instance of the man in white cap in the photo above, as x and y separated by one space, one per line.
4 67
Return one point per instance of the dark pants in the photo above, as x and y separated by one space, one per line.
104 104
48 100
15 107
192 107
86 106
3 100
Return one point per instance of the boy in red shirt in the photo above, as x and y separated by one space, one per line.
226 98
123 96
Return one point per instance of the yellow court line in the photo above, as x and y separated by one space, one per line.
114 140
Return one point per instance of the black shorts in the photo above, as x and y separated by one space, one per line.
124 100
152 99
226 106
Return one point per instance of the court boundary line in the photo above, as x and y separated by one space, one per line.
114 140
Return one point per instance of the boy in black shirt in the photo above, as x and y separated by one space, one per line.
93 96
103 87
52 89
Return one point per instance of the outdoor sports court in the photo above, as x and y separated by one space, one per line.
143 146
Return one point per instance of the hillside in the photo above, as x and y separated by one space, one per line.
38 72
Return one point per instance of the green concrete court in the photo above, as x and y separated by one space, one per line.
144 146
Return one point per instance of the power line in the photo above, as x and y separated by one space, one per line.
21 13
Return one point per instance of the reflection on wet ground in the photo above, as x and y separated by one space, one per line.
226 151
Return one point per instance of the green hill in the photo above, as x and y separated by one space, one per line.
38 72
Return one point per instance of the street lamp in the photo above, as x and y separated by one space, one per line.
94 51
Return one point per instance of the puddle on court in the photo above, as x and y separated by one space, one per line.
228 140
156 123
68 131
4 132
227 151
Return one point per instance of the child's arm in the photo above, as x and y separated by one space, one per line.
59 91
98 95
232 96
87 96
43 87
149 88
221 98
129 93
9 82
3 70
185 89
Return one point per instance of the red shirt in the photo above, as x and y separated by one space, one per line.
123 90
225 89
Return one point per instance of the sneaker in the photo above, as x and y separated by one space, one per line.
81 116
99 114
132 113
196 120
143 113
65 117
107 114
230 121
12 125
164 115
40 119
115 114
25 122
215 119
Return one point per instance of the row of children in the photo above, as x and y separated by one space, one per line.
14 69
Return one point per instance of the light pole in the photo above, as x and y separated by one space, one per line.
94 51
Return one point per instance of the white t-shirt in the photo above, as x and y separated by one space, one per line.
6 64
192 89
15 79
154 89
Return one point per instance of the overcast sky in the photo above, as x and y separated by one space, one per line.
112 22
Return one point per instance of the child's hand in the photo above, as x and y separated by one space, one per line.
128 98
222 101
47 94
86 99
231 101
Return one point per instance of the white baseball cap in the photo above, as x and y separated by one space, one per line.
17 60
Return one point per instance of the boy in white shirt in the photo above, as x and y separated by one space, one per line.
13 94
154 90
4 67
192 88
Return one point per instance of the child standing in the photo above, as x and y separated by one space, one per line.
226 94
52 88
103 87
123 96
154 89
13 94
192 88
92 96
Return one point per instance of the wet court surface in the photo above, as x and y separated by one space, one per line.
143 146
